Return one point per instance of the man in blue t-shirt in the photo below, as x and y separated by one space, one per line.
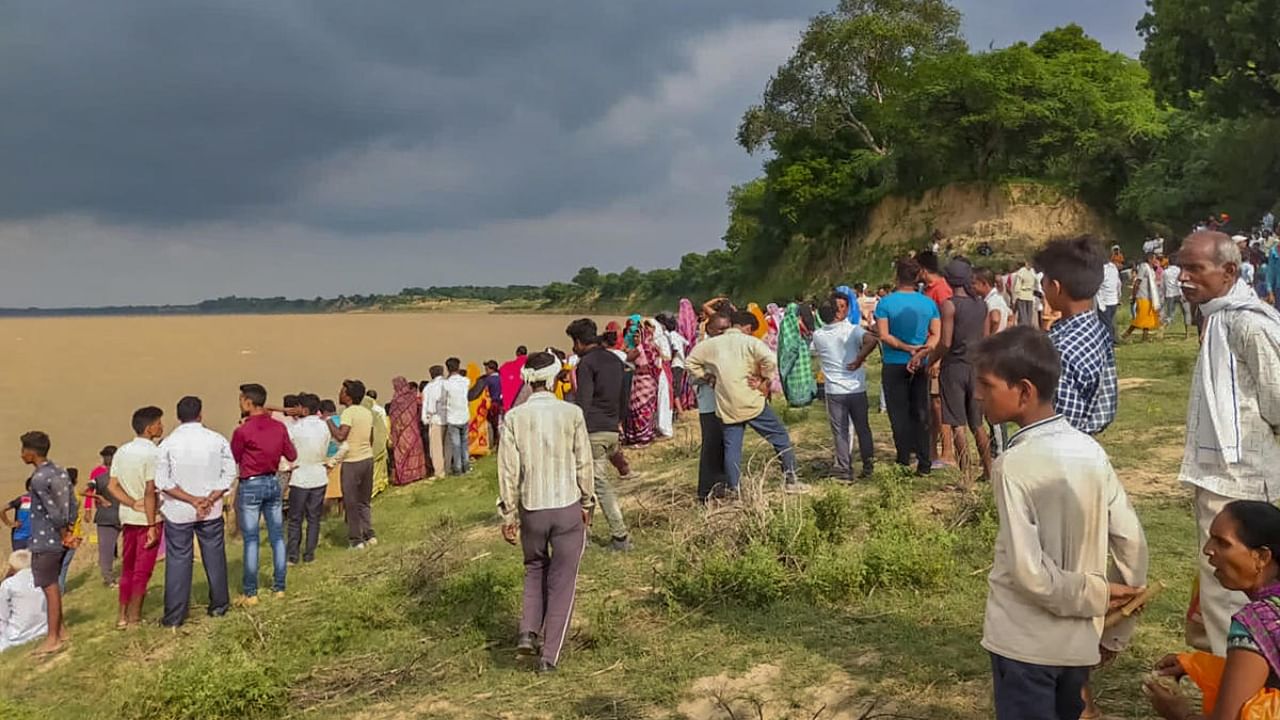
909 327
20 536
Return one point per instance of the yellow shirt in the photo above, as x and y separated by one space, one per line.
731 359
360 440
133 466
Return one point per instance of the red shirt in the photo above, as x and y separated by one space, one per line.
939 292
259 443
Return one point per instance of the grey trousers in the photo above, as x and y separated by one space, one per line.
1025 311
603 446
179 559
357 499
841 411
553 542
108 540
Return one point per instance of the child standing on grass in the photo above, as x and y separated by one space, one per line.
1061 510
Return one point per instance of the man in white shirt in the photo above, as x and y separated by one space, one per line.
1108 297
998 310
308 480
546 492
842 348
23 616
1025 284
194 470
433 416
1233 410
1173 300
133 474
679 348
457 416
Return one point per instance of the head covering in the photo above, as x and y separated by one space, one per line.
959 274
542 376
762 324
687 322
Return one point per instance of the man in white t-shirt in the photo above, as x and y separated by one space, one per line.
433 416
679 348
457 416
998 310
1171 288
308 480
842 348
1108 298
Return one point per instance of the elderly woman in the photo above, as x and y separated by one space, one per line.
22 608
1244 549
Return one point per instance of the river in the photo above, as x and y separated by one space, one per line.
80 378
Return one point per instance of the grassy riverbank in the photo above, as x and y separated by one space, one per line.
813 608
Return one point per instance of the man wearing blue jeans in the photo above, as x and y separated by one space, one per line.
457 416
258 446
739 367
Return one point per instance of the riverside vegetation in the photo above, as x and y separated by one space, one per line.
855 602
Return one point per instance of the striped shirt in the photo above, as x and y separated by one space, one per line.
544 460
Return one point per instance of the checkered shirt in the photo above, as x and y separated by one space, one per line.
1088 392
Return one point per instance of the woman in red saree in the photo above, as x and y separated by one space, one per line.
641 423
406 438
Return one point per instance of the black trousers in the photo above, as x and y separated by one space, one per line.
179 559
305 503
907 397
711 470
1037 692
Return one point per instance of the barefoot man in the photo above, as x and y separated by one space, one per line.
53 512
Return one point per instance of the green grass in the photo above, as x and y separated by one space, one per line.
880 599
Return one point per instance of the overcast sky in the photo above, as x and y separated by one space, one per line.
170 151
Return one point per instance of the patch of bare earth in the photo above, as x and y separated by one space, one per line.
763 693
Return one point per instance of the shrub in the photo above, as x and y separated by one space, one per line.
834 515
834 576
226 684
753 578
903 552
487 597
793 536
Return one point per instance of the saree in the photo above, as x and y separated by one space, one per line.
762 323
794 363
406 437
771 339
666 396
1260 620
613 327
478 440
509 377
687 324
640 426
381 473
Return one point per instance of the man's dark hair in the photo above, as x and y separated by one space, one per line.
328 406
144 418
522 351
355 390
827 311
108 451
291 401
985 275
254 393
436 371
1022 353
583 331
745 318
907 271
36 442
928 261
189 409
452 365
1076 263
723 306
371 394
310 402
73 474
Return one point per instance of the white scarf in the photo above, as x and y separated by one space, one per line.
1215 390
540 378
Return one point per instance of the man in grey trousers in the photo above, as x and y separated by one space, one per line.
546 495
194 470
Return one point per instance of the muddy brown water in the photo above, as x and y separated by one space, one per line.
80 379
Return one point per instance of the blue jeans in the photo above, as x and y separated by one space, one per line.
261 495
773 431
66 565
459 453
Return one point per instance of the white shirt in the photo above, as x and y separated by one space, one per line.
23 617
1246 273
1172 288
1062 510
836 345
310 436
995 301
544 459
433 403
1109 292
196 460
457 410
133 465
679 346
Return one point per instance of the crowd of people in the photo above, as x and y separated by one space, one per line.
965 351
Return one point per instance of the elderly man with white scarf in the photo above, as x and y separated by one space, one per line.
1234 410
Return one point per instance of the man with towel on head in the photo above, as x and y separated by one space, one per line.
1234 410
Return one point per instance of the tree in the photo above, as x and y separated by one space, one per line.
848 62
587 277
1220 52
